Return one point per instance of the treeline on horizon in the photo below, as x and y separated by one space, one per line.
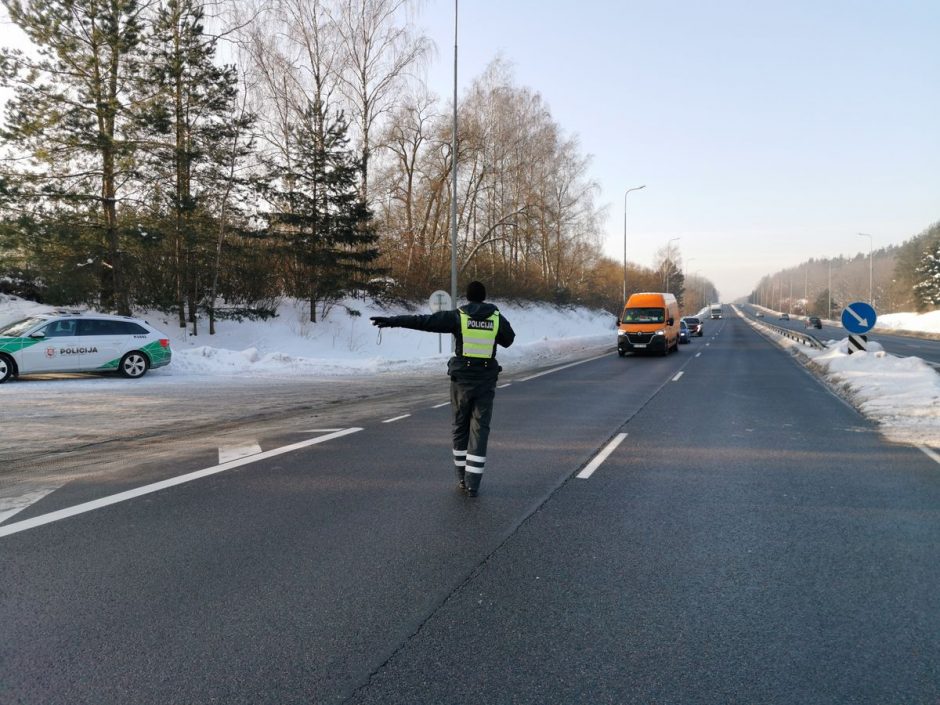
900 278
139 170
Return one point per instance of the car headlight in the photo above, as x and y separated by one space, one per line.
621 332
661 332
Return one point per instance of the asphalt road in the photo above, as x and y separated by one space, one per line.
751 540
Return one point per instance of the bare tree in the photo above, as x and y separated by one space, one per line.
379 47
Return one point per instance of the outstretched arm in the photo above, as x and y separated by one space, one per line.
441 322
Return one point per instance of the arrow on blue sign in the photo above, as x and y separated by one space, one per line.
858 317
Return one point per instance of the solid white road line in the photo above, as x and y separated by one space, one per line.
236 451
563 367
19 526
601 457
397 418
933 455
678 375
446 403
503 386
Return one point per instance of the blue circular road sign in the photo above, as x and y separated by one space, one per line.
858 317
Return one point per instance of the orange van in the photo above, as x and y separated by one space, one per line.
650 323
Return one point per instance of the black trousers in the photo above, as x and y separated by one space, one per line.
472 404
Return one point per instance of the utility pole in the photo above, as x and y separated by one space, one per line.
453 196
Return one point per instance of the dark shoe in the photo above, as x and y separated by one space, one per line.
472 482
461 486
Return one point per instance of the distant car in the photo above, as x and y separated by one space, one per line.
81 342
813 322
695 325
759 314
784 316
685 335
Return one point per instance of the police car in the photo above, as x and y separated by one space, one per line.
81 342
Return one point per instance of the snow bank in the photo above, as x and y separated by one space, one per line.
902 394
916 322
345 341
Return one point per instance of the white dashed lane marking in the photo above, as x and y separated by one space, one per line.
601 457
396 418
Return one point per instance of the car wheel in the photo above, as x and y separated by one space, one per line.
6 368
134 365
621 352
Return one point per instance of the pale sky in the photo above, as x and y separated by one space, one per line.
766 133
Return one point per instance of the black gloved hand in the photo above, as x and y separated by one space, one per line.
381 321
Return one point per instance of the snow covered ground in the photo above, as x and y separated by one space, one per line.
345 343
902 395
918 322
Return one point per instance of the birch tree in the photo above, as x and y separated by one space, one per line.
379 47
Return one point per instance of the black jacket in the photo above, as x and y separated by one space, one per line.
459 367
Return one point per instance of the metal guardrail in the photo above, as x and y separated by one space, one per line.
802 338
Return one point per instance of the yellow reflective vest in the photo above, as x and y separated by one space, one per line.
479 336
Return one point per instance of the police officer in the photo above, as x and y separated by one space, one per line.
473 371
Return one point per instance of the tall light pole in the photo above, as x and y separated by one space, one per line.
669 254
635 188
870 252
453 198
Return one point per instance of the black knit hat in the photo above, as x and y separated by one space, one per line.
476 292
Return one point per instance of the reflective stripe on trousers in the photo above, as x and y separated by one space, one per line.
472 404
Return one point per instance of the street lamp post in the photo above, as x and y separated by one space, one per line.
870 252
453 196
636 188
669 254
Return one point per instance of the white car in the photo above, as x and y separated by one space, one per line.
81 342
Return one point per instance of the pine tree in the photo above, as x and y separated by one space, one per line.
927 286
326 231
72 113
190 115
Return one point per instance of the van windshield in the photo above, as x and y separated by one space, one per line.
644 315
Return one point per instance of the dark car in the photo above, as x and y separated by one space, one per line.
684 334
784 316
813 322
695 325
